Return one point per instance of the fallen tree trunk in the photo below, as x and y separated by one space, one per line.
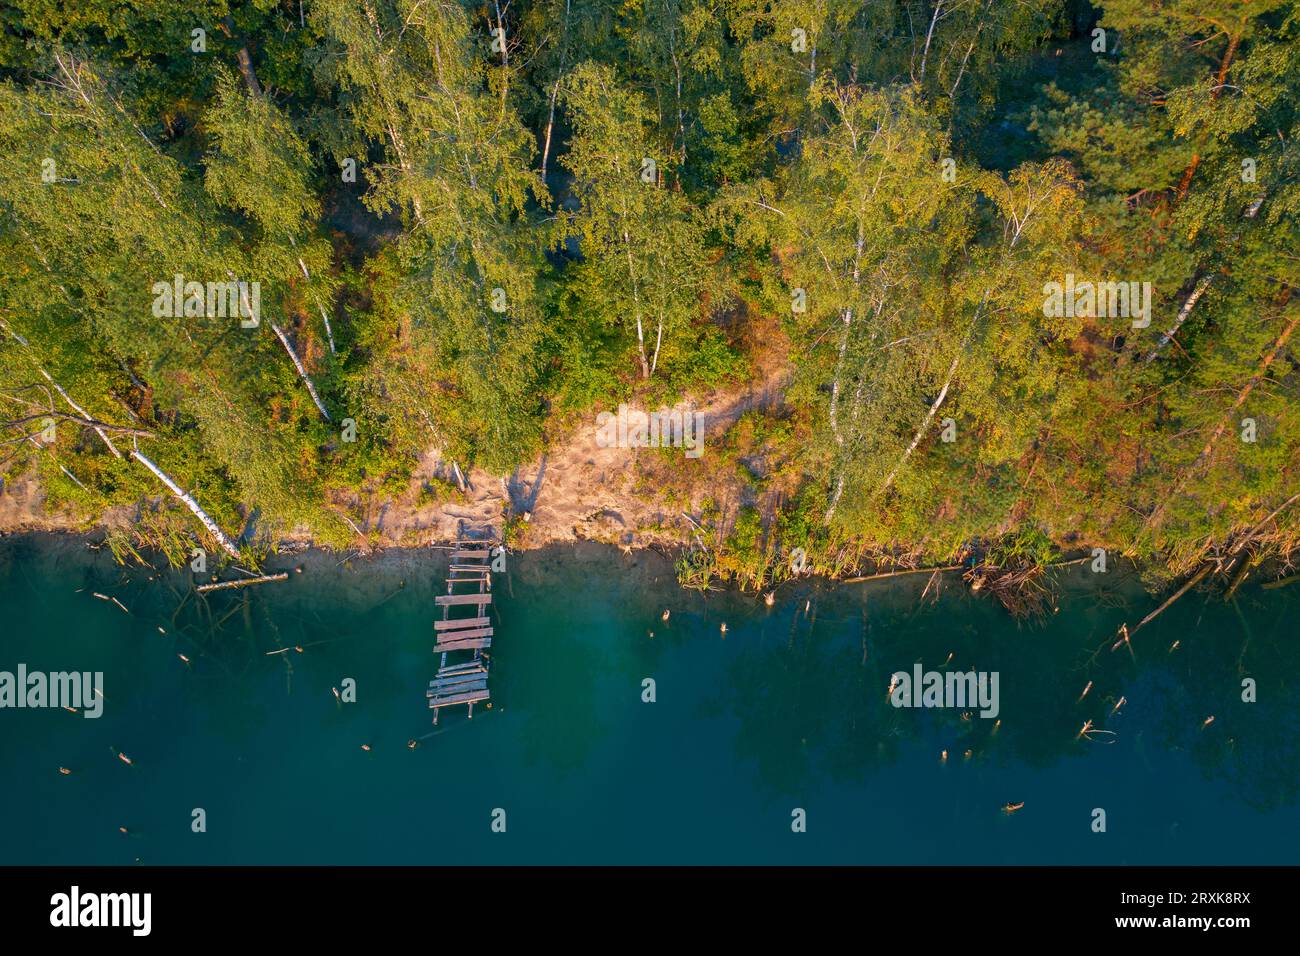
943 392
62 394
894 574
302 370
1191 583
925 425
1208 450
213 528
288 347
329 332
1236 581
75 480
1260 527
88 422
245 62
255 90
242 582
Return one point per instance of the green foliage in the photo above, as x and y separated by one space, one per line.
651 201
641 243
257 164
1027 546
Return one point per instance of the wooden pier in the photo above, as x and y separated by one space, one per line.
465 681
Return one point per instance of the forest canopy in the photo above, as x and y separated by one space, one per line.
1021 273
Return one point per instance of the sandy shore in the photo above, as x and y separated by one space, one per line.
576 491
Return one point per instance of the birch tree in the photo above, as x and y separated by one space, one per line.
259 166
467 270
641 242
119 217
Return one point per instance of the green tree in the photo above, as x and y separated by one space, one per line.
641 243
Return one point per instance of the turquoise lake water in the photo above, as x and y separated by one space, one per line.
788 710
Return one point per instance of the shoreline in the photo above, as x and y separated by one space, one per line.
655 560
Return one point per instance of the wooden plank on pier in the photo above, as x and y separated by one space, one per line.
457 690
460 642
446 599
456 623
479 579
469 667
458 555
473 696
477 644
451 637
455 683
459 687
470 567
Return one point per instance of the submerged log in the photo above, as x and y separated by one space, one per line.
894 574
242 582
1282 582
1191 583
1236 581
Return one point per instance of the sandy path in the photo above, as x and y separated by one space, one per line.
575 491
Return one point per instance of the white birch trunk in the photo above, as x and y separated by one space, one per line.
925 425
329 332
555 90
928 35
835 500
288 347
943 392
659 338
64 395
213 528
1183 314
835 382
636 299
302 371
